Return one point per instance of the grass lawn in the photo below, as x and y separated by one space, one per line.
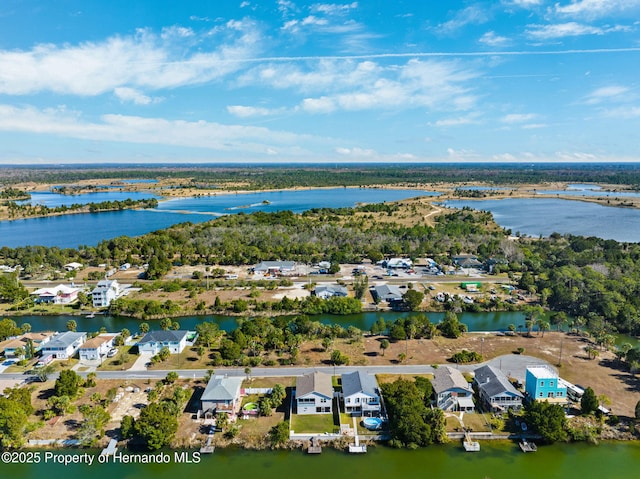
121 361
313 423
476 422
269 382
347 419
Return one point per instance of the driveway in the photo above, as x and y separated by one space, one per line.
141 362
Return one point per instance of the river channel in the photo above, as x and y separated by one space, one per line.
495 461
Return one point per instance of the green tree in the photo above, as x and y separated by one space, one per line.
547 419
127 427
588 402
68 383
278 393
413 299
94 420
72 325
171 377
144 328
157 425
13 423
279 434
338 358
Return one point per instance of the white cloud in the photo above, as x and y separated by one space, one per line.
144 60
596 8
333 8
518 117
493 40
132 95
607 93
569 29
524 3
472 15
534 126
357 152
176 31
458 121
158 131
319 105
249 111
624 112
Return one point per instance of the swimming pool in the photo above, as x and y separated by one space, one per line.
372 423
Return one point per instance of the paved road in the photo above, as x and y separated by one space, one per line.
512 365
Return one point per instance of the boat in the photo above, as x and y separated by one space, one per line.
527 446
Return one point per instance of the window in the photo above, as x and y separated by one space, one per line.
551 383
540 394
541 384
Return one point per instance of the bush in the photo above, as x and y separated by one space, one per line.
465 356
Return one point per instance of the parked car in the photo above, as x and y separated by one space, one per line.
112 352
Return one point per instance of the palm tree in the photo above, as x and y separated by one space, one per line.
544 326
384 344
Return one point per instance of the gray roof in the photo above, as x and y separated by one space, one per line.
266 265
494 382
163 336
388 292
333 289
358 381
446 378
64 340
222 389
314 382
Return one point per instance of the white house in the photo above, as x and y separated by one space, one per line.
496 391
275 268
314 394
94 348
60 294
73 266
361 394
330 290
452 390
154 341
404 263
105 292
63 345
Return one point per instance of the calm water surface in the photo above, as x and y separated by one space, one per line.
543 216
69 231
495 461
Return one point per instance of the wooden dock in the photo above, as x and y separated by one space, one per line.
111 449
357 448
315 447
207 448
469 445
527 446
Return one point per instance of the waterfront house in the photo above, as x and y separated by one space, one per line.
94 348
452 391
59 294
387 292
314 394
222 394
361 394
10 346
542 383
330 290
154 341
105 292
63 345
496 392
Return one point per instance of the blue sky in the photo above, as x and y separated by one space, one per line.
295 81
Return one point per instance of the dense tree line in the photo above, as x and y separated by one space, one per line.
16 210
279 176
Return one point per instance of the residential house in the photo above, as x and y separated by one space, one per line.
314 394
452 391
330 290
361 394
154 341
105 292
275 268
387 292
466 261
222 394
37 340
63 345
496 392
94 348
73 266
542 383
60 294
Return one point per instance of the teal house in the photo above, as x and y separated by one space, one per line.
543 384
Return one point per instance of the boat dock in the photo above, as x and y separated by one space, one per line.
111 449
527 446
357 448
469 445
207 447
315 447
